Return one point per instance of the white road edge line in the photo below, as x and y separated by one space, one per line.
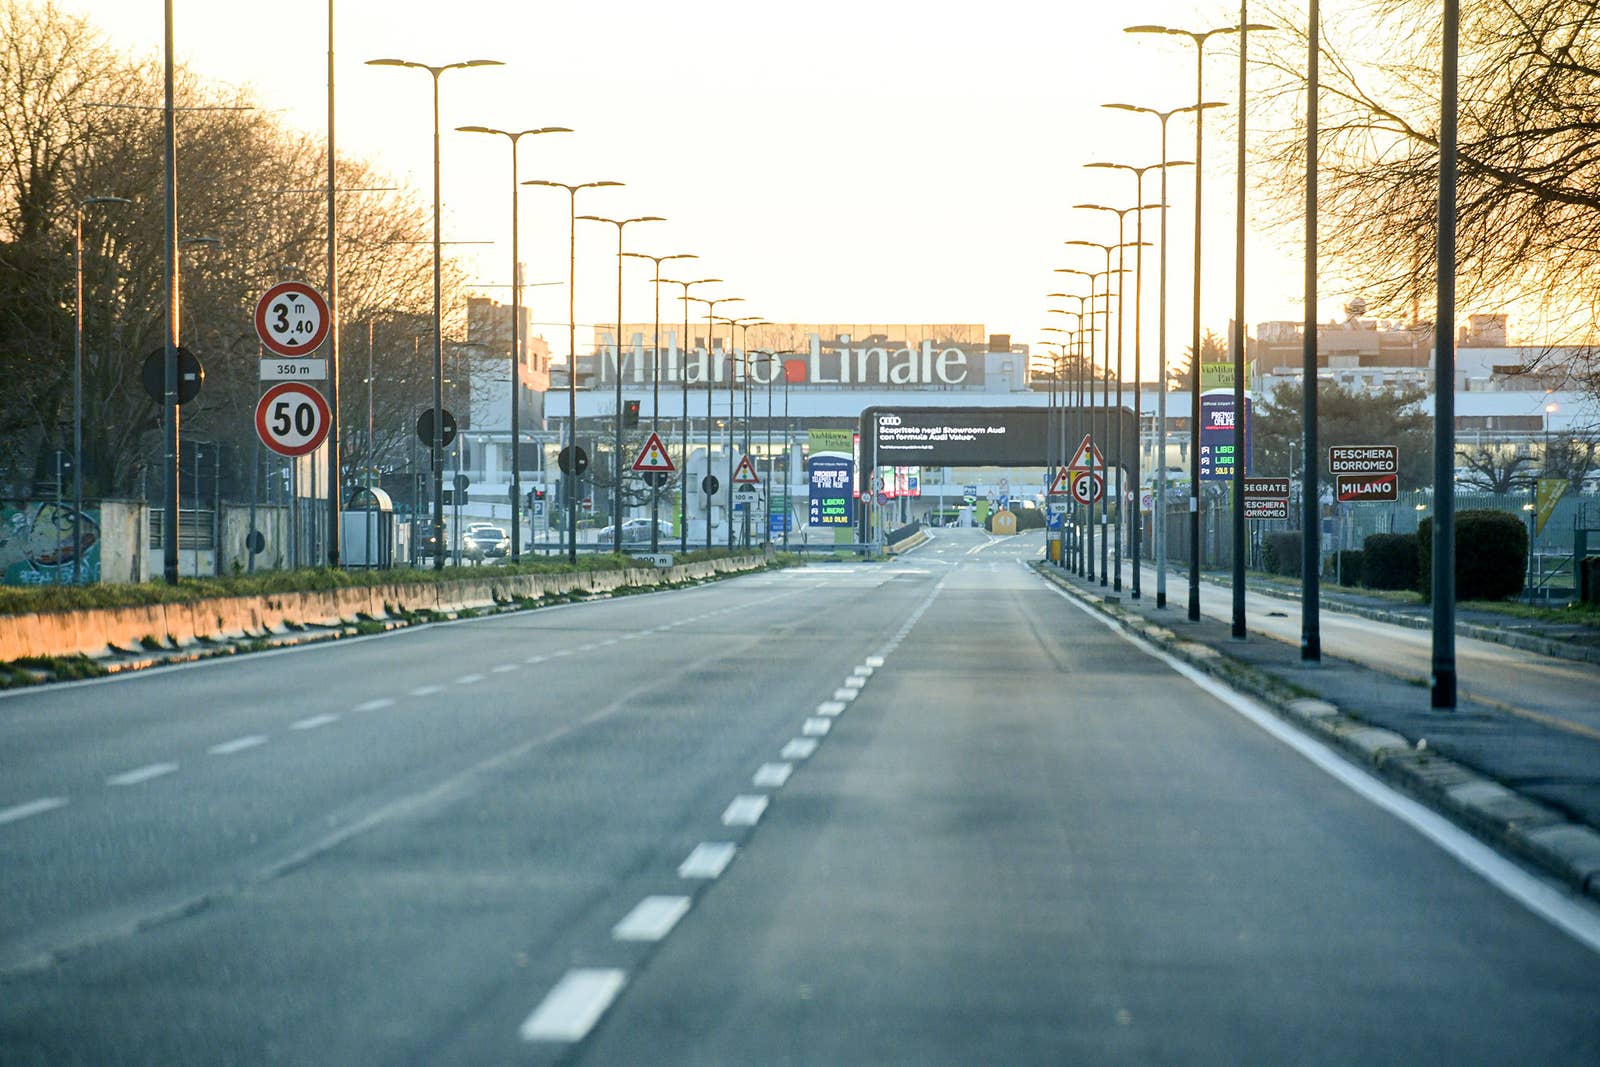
651 919
708 860
32 807
314 722
1549 902
570 1010
140 775
744 810
238 744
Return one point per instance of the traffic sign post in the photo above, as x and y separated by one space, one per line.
1365 473
292 319
1087 457
653 458
1365 488
292 419
746 474
1088 487
1266 498
1061 484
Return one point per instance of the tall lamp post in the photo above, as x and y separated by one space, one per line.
683 384
436 449
616 464
1198 39
77 380
514 136
711 345
1138 328
1442 692
655 385
741 357
569 482
1160 526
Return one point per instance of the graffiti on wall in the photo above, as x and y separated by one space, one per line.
37 545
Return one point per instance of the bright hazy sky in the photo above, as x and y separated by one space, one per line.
836 161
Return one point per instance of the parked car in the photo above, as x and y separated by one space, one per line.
490 542
634 532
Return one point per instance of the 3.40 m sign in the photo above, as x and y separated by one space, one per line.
292 319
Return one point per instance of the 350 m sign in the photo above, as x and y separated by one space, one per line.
292 418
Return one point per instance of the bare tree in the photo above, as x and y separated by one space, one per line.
1498 470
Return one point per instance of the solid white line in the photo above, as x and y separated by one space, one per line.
799 748
505 668
744 810
142 774
708 860
375 705
1577 919
845 695
469 679
427 690
570 1010
831 707
651 919
314 722
32 807
772 775
238 744
816 727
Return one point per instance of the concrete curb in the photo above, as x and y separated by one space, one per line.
104 632
1541 836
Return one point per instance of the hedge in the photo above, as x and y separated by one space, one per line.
1347 566
1389 561
1280 552
1491 555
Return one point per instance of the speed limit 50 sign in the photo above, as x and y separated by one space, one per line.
292 418
292 319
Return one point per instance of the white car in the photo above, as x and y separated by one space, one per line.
634 532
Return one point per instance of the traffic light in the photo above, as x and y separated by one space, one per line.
630 414
538 493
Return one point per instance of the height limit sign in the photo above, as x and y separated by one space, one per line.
292 319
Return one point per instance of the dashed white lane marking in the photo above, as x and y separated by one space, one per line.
604 644
570 1010
864 671
745 810
831 707
651 919
142 774
854 682
874 661
845 695
816 727
535 659
375 705
32 807
799 748
317 721
708 860
427 690
505 668
772 775
469 679
238 744
626 637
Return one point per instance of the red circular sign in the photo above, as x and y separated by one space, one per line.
292 319
1087 487
292 418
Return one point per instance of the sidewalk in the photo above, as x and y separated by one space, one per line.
1527 788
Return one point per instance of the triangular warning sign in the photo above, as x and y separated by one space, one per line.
1087 457
745 473
653 457
1062 485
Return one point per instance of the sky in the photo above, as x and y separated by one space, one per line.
838 161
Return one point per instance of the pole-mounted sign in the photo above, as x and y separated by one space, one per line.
292 418
292 319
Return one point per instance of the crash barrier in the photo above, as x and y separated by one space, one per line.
103 631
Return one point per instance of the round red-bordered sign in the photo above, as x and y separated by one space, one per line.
1087 487
292 418
292 319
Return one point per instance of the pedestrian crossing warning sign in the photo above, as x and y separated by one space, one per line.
745 473
653 457
1087 457
1062 485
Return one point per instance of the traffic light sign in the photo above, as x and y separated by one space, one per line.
630 414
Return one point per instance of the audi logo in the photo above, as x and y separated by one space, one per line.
888 420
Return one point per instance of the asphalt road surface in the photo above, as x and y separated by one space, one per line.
921 812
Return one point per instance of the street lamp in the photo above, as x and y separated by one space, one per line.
740 356
569 480
1198 39
436 450
655 386
711 344
616 459
514 136
1161 397
1138 331
683 383
77 380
